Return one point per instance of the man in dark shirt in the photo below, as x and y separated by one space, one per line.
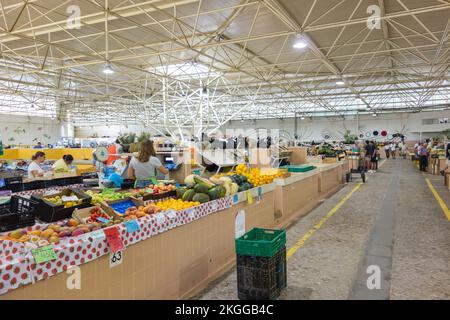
370 150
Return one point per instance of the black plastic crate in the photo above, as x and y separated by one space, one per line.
261 278
19 213
33 185
12 183
50 183
159 196
127 184
50 212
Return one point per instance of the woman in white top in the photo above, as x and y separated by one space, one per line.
387 149
393 150
34 169
146 164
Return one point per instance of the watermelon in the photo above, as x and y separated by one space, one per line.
201 197
201 188
180 192
214 193
188 195
200 180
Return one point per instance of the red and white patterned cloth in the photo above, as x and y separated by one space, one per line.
18 267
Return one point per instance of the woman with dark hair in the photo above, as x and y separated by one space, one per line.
146 164
34 168
62 165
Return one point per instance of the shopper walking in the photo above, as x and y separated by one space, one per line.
370 150
387 149
146 165
393 150
423 154
375 158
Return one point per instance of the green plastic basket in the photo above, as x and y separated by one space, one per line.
299 168
261 242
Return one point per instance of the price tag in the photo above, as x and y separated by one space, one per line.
97 235
51 192
177 185
160 218
171 214
235 198
154 181
191 213
67 199
249 197
132 226
101 219
259 192
115 258
44 254
214 205
114 239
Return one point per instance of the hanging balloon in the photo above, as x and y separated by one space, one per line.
375 133
390 136
384 133
367 134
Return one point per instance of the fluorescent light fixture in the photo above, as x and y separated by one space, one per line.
374 114
300 42
340 83
107 69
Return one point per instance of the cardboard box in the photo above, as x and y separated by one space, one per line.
329 160
82 214
109 210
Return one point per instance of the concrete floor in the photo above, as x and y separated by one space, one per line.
393 221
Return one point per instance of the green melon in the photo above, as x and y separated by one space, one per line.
214 193
201 188
180 192
201 197
188 195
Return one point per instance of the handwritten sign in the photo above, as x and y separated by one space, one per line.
235 199
71 198
132 226
171 214
154 181
114 239
101 219
115 258
249 197
191 213
259 192
214 205
44 254
97 235
160 218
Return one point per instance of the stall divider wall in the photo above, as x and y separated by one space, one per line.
181 262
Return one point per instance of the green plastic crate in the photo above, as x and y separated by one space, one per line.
261 242
299 168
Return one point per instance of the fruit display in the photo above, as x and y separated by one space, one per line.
254 176
153 189
96 213
176 204
54 232
106 195
139 212
201 190
57 200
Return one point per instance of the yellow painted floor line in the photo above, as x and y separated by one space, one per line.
439 199
305 237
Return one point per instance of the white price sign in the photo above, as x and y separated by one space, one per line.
214 205
191 213
160 218
171 214
115 258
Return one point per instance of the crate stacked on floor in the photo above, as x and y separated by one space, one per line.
261 264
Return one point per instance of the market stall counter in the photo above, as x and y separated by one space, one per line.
299 194
170 256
